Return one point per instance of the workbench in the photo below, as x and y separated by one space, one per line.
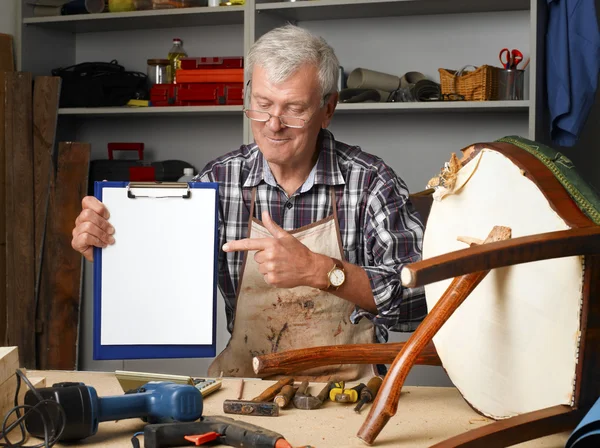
426 415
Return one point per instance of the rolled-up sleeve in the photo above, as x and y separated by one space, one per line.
393 237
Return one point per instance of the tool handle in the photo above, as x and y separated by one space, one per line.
372 388
270 393
285 396
302 388
325 391
233 433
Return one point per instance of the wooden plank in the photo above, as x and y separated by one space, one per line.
60 286
3 316
7 56
46 93
9 362
7 398
20 271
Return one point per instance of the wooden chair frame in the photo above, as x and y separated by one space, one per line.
468 267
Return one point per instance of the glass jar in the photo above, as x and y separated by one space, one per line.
157 71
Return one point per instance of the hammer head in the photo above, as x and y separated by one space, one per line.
307 401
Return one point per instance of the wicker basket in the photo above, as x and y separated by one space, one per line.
478 85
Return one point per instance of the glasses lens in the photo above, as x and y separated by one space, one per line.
292 122
257 115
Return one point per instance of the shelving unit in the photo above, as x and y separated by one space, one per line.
153 111
391 36
120 21
360 9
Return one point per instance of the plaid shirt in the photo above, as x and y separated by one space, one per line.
379 228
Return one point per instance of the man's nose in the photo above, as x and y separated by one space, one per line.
274 124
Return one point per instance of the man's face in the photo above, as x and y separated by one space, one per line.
298 96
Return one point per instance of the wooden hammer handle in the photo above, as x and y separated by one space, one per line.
270 393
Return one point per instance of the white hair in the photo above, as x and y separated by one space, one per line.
282 51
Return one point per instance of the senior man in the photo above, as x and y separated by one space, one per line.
322 265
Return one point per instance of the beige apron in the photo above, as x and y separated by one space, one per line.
270 319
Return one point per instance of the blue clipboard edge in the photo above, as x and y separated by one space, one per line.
118 352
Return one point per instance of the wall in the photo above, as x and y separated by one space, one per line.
8 17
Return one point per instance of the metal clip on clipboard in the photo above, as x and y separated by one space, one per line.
178 189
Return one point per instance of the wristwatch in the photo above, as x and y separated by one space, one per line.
336 276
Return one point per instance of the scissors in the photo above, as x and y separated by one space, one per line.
510 59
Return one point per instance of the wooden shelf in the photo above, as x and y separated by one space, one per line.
343 108
150 111
121 21
442 106
360 9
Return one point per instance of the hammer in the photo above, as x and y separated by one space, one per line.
261 405
302 400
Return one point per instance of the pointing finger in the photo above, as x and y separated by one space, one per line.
247 244
272 226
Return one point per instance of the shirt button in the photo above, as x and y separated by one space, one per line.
289 205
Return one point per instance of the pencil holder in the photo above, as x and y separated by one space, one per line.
510 84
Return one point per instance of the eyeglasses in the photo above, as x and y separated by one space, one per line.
287 121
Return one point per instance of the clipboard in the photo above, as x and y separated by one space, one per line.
155 288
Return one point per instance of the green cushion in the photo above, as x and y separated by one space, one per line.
582 193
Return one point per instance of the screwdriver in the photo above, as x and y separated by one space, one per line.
368 393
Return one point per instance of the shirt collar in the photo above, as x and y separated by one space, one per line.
326 171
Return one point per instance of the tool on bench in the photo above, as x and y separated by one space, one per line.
155 402
368 394
303 400
341 395
224 430
262 405
284 397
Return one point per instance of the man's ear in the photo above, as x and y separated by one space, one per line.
329 109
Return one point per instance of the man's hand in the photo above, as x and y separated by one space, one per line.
92 228
283 260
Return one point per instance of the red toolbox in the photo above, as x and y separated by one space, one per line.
164 95
211 63
227 75
205 94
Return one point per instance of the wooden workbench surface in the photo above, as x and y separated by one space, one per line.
426 415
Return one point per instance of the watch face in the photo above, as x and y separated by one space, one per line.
337 277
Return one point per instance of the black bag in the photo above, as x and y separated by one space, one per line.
118 170
100 84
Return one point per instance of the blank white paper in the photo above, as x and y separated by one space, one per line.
158 276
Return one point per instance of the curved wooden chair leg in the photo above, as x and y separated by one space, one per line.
521 428
386 402
290 362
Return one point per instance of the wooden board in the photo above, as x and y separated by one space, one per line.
2 211
7 398
20 272
60 284
9 362
46 93
7 58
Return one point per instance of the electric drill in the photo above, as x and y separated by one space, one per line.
155 402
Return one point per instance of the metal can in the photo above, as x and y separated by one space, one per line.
157 71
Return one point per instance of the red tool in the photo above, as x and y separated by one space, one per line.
510 59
